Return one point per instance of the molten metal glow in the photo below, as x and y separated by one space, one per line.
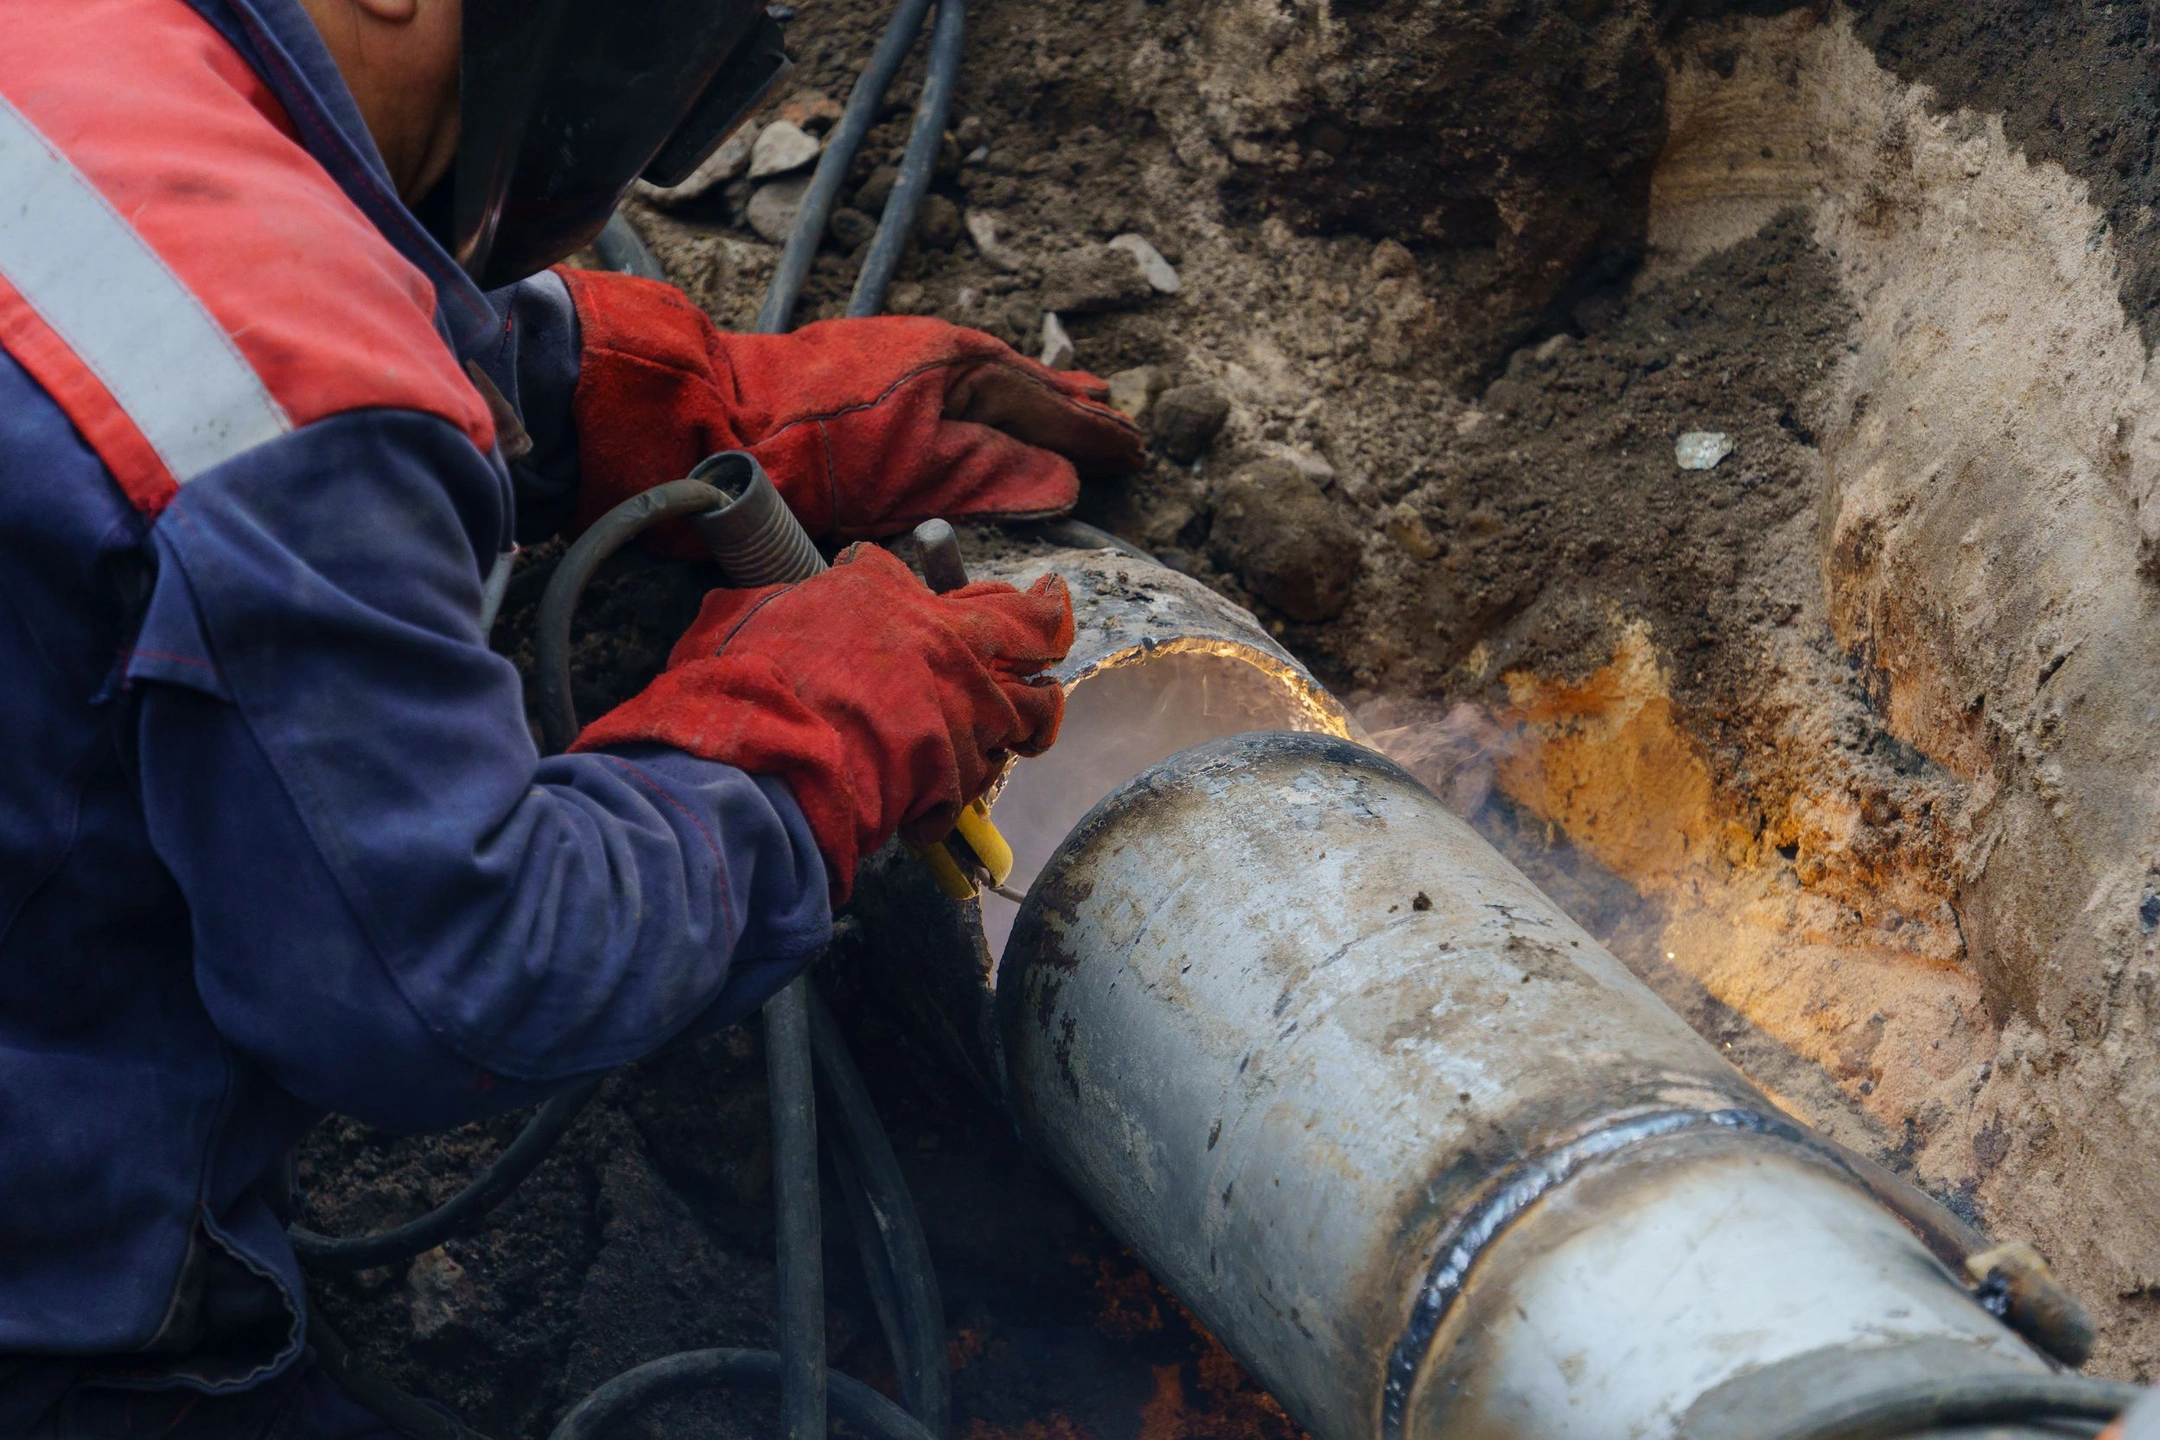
1129 713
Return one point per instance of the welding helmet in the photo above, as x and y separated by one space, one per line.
565 102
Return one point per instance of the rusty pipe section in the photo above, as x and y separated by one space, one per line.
1424 1156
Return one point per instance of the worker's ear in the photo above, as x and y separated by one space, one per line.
390 12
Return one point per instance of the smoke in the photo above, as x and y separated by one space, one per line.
1455 750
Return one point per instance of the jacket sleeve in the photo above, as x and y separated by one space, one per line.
535 365
399 909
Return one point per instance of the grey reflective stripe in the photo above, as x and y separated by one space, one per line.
128 319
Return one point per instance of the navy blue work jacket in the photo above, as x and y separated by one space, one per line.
274 837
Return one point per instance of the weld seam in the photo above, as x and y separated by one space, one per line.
1530 1181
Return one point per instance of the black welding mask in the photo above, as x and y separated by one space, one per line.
566 102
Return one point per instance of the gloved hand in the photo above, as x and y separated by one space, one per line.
867 427
885 707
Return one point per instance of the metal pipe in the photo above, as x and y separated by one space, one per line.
1424 1156
1422 1153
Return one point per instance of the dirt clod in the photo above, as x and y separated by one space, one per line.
1276 533
938 226
851 228
872 194
1186 420
1092 279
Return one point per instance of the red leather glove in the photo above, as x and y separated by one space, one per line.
885 707
867 427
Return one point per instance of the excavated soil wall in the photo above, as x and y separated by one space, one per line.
1845 744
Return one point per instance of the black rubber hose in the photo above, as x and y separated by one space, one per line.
622 1397
895 1258
1986 1400
622 248
388 1247
787 1018
888 1231
925 139
799 1243
877 1268
832 170
411 1416
678 499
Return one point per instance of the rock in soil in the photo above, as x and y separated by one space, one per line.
774 205
1185 421
1160 273
1701 449
1278 534
1132 391
982 228
781 148
1057 346
1094 278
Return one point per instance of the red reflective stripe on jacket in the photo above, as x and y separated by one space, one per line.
185 143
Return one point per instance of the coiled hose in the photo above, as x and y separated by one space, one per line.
888 1232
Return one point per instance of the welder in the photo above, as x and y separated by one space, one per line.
283 378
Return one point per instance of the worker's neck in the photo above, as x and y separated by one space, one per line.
400 60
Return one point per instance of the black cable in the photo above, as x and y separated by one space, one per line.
832 169
622 248
676 500
888 1231
925 140
655 1380
799 1245
411 1416
1982 1400
388 1247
